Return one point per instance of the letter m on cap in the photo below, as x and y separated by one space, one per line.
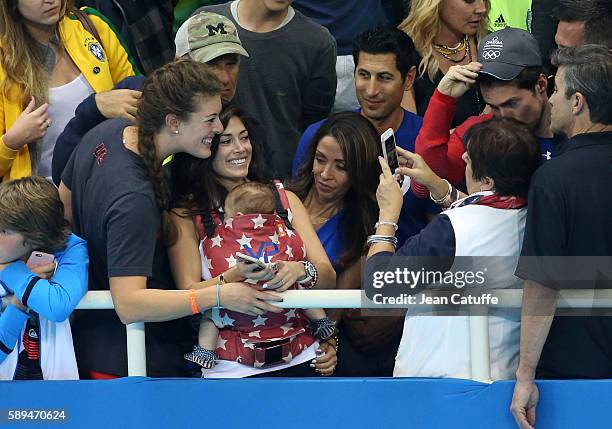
212 30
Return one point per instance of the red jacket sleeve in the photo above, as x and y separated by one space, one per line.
439 148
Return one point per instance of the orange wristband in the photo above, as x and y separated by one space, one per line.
193 302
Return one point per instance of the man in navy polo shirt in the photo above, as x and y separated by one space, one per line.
570 201
386 61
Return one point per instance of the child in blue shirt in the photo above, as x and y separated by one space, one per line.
35 336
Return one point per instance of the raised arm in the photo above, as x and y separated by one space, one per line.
440 149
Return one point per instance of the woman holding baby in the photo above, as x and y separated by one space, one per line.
266 223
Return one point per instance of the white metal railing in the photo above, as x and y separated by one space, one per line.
137 363
136 351
479 325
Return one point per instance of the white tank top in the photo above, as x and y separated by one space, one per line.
63 101
439 346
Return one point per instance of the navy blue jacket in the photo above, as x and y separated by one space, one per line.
85 118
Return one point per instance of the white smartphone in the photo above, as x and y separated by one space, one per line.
251 260
387 141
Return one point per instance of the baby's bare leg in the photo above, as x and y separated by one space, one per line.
208 334
203 353
315 313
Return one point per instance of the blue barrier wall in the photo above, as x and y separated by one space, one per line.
341 403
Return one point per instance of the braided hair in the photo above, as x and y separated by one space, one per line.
174 88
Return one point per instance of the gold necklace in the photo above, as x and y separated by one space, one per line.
447 52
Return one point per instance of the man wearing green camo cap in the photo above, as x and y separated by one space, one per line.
212 39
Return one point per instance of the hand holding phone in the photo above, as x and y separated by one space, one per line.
251 260
38 259
387 141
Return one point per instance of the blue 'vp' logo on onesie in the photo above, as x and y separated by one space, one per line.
266 249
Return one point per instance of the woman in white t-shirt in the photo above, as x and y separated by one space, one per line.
51 58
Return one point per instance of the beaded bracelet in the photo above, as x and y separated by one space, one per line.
451 198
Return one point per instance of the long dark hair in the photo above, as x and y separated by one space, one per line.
195 185
359 142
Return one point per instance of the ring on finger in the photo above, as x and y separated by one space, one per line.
48 123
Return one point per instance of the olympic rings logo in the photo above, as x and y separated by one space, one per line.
491 55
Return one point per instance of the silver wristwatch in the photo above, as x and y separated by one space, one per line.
311 275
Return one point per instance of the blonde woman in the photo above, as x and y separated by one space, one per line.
445 33
49 63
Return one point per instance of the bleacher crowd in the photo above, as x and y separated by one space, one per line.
196 172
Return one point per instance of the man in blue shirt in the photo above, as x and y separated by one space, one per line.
386 61
385 67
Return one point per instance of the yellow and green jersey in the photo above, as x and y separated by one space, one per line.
510 13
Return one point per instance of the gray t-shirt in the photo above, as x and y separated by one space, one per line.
287 83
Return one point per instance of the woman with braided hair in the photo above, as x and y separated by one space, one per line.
118 192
